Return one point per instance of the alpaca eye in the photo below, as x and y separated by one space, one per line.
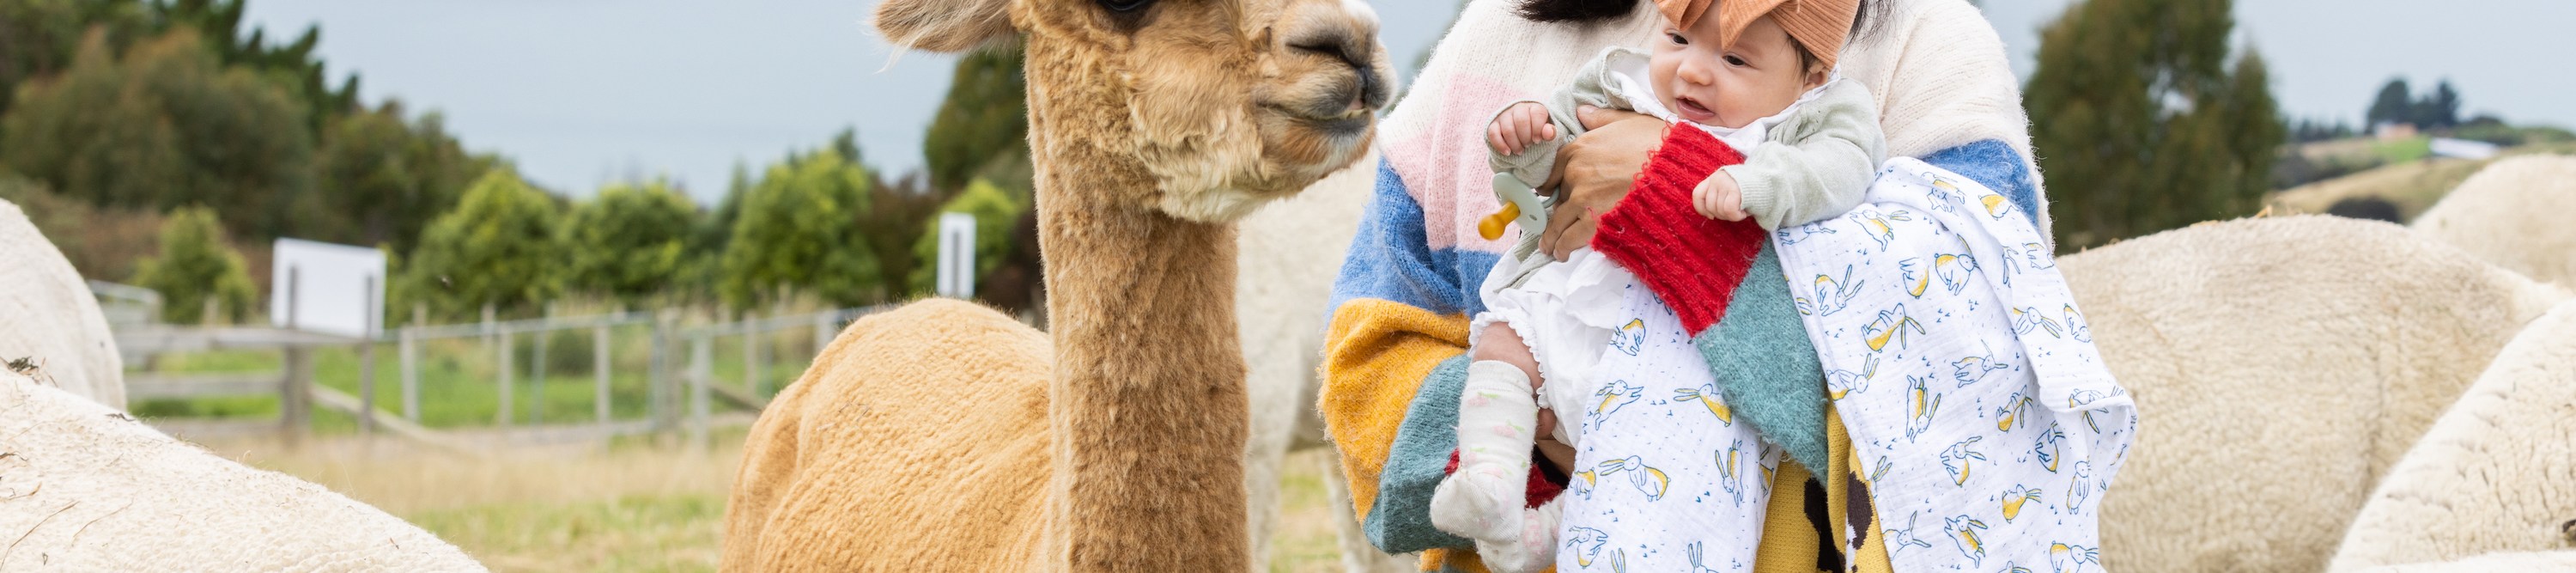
1125 5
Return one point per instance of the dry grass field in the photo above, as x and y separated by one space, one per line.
625 507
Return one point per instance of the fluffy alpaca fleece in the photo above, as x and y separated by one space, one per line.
2489 563
54 320
1289 252
1139 132
971 381
2503 214
85 488
2280 367
2493 474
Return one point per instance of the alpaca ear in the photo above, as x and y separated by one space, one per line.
943 25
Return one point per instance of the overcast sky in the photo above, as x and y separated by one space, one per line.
583 92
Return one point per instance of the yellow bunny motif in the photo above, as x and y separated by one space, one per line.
1728 476
1840 383
2063 558
1647 479
1831 294
1706 395
1891 325
1956 459
1996 205
2049 448
2014 498
1876 224
2011 412
1963 531
1922 404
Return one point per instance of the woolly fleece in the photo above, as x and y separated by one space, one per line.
83 487
53 318
1287 253
2493 474
2507 215
952 505
2280 366
2490 563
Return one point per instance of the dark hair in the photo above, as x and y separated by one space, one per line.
1864 22
1576 11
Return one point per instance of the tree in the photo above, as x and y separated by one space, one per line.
994 212
196 265
382 176
2142 123
497 248
165 126
629 241
898 212
797 229
2394 104
2440 110
985 117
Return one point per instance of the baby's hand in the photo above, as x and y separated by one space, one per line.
1719 197
1518 127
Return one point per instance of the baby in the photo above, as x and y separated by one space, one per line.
1758 75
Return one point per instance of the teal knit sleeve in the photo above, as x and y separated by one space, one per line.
1766 367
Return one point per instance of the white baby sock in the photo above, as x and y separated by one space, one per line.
1485 500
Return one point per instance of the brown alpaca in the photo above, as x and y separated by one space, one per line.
943 435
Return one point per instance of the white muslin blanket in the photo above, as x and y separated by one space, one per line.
1979 411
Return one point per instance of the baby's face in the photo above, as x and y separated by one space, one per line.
1729 86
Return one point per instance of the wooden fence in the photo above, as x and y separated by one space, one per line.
671 408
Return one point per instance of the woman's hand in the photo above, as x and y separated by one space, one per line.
1594 172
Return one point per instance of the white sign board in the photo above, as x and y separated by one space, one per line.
2464 149
956 255
326 288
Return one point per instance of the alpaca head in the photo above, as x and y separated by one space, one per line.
1212 106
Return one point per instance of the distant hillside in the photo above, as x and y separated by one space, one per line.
2410 186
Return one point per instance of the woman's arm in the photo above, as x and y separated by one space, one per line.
1594 172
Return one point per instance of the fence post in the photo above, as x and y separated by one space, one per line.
296 402
751 353
295 397
823 322
367 364
657 377
599 371
701 368
411 361
543 335
502 418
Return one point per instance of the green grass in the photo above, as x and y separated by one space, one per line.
459 381
631 533
2404 150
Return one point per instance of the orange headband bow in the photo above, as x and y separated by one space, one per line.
1821 26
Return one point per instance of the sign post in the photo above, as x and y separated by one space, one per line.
956 255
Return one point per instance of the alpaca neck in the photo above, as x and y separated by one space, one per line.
1148 403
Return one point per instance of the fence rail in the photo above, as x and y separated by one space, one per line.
680 398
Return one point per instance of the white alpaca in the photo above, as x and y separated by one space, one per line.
54 321
2280 367
2510 214
1289 253
83 487
2488 563
2493 475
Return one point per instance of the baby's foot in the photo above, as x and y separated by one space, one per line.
1497 423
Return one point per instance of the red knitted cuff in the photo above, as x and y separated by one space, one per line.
1694 263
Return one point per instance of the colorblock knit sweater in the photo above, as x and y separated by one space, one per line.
1394 351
